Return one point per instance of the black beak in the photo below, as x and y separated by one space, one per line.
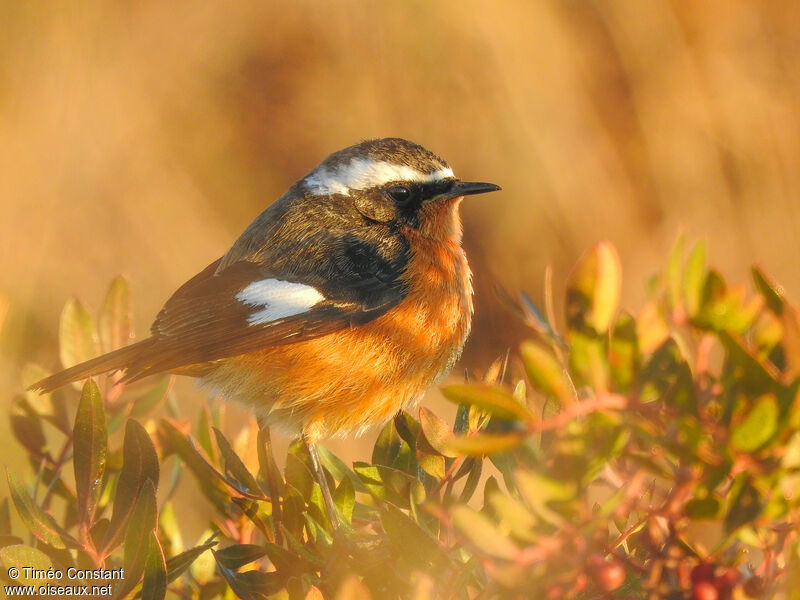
468 188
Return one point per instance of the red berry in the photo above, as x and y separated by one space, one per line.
702 572
607 576
704 590
594 561
727 578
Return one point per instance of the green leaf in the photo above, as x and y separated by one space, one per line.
116 318
694 279
295 559
251 585
477 418
758 377
139 465
90 442
624 357
767 331
137 538
27 429
482 533
492 399
204 435
594 288
268 468
513 514
461 422
98 532
408 428
388 445
473 479
238 555
773 294
651 329
666 377
675 275
744 505
790 320
212 483
254 585
546 372
177 565
758 426
699 509
292 508
589 360
539 491
204 564
39 523
154 582
432 464
24 557
298 473
344 497
484 444
728 310
234 467
41 404
395 446
386 483
405 533
143 520
258 515
77 335
257 585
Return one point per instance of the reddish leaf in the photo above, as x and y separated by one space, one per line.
90 450
141 527
154 581
77 335
140 465
40 523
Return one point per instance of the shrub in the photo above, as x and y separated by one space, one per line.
654 455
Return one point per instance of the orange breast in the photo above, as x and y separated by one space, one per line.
357 378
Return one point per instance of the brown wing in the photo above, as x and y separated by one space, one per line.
204 321
357 279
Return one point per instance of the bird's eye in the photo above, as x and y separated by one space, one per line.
399 193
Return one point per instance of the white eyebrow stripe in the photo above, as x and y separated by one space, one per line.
279 299
363 173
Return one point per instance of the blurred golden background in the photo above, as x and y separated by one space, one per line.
143 137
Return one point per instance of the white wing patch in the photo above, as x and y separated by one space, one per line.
363 173
278 299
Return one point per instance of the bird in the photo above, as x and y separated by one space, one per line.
336 308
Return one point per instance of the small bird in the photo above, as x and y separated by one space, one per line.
337 307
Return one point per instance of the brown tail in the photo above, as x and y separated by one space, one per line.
113 361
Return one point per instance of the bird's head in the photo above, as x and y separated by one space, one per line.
397 183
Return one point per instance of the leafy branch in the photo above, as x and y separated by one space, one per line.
647 455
